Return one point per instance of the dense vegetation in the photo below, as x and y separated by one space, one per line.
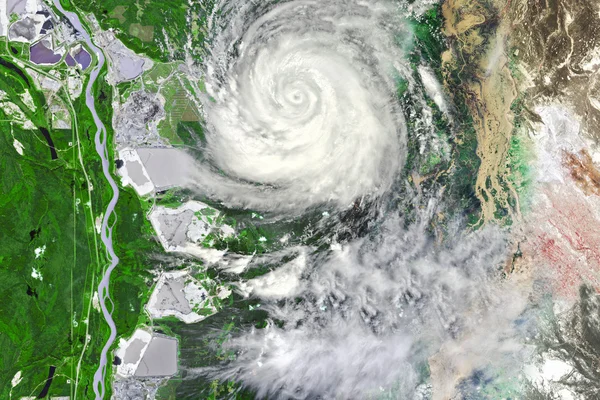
49 256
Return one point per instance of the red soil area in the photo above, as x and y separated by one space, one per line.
564 239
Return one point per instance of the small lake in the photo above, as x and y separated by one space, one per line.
83 58
40 54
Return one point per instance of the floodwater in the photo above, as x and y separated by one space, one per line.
106 232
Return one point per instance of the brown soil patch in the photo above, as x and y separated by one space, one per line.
583 171
556 40
190 113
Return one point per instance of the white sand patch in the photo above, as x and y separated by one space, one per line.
40 251
96 302
18 146
16 379
98 223
36 274
28 100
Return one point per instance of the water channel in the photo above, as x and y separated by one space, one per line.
106 233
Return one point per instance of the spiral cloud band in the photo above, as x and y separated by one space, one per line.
301 109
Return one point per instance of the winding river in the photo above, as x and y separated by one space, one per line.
106 234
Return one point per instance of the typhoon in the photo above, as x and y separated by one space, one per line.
302 115
301 109
300 199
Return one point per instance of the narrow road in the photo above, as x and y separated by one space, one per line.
106 233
